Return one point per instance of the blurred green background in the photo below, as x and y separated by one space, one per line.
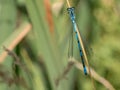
43 52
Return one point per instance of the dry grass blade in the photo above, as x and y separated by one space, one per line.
14 39
97 77
65 72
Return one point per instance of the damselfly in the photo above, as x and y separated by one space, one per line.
72 16
80 42
79 39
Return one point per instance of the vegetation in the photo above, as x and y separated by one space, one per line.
36 42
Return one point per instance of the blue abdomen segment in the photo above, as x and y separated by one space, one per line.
84 67
85 70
